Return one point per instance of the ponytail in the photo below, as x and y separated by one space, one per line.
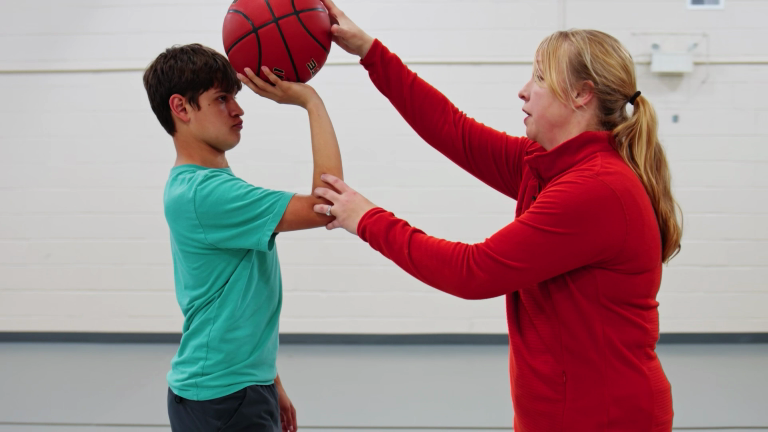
637 143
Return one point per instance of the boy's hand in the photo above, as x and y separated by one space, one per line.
281 92
287 411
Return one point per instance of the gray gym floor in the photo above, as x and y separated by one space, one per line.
67 387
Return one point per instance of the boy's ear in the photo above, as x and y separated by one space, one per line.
179 107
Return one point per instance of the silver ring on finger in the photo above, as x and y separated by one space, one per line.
328 213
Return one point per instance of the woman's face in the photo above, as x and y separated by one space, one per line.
547 116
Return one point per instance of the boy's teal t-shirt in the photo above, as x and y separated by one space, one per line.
228 281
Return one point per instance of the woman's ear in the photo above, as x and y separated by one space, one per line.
584 94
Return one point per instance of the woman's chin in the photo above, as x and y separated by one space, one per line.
530 133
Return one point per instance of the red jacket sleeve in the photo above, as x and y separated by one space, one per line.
574 222
492 156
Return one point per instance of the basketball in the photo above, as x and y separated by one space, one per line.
290 37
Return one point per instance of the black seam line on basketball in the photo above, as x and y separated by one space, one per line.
287 49
240 40
293 3
255 29
275 19
241 13
258 42
301 12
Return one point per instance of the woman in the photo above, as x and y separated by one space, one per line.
581 263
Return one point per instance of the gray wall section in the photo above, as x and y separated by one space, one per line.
48 387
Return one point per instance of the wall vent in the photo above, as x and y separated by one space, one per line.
706 4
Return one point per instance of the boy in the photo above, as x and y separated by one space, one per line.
226 269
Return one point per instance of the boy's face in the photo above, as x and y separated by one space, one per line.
218 120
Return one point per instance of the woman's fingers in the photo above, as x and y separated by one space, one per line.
333 225
336 182
348 207
340 32
327 194
323 209
332 9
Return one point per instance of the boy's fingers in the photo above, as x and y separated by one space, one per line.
272 77
258 82
251 85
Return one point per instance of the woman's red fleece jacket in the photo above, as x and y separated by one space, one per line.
580 265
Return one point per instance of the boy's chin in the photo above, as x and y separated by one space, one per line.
229 144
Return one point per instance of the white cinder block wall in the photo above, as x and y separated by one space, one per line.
83 241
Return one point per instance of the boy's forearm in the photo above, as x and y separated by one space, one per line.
325 147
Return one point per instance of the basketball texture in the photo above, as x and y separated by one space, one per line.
291 37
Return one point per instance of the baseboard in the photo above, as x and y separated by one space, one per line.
360 339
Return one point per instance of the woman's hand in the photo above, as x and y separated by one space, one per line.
346 34
282 92
348 206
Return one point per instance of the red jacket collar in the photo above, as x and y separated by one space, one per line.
546 165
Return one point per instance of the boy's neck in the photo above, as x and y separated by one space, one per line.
195 152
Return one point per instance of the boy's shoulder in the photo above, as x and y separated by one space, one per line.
188 184
190 180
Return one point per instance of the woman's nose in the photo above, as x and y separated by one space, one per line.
523 93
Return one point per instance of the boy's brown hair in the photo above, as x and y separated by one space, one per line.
189 71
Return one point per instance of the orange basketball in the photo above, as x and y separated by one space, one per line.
291 37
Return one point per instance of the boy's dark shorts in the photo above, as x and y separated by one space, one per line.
253 408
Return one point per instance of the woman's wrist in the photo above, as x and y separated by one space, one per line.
366 46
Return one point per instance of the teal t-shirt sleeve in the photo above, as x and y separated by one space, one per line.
234 214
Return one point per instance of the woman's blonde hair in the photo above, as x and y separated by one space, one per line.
568 59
